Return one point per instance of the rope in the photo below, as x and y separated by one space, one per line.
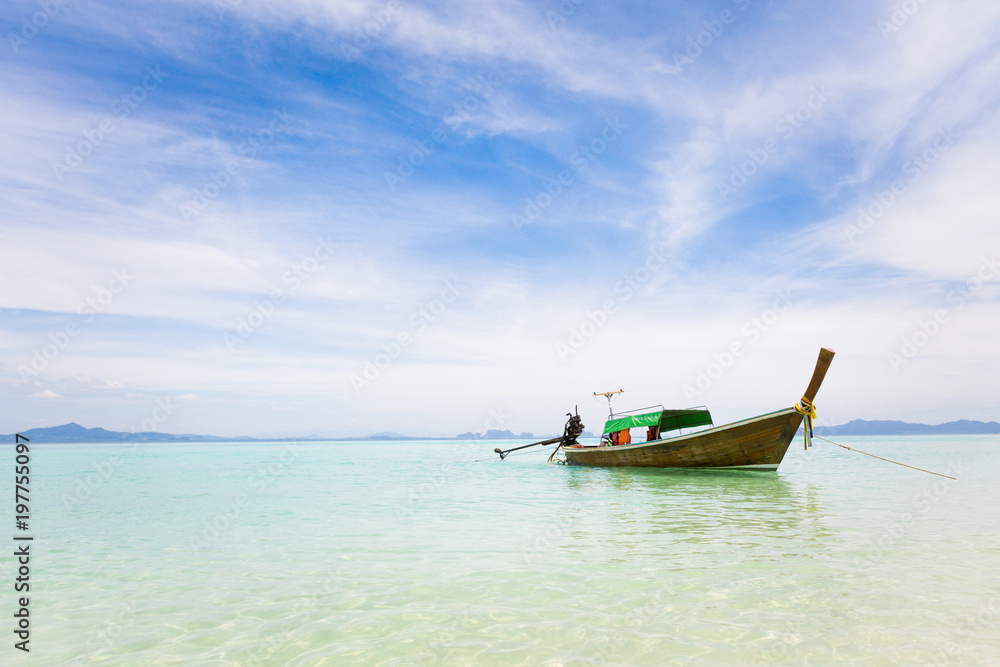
808 411
883 459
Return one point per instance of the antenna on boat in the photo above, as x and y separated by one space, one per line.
608 395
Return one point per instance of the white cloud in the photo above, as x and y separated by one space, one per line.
45 394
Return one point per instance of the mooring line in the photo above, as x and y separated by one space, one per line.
931 472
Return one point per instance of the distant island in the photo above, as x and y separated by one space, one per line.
494 434
74 432
863 427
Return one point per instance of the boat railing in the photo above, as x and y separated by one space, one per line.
640 411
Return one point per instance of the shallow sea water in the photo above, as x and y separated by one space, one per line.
437 553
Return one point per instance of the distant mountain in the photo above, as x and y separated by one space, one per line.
73 432
863 427
494 434
386 435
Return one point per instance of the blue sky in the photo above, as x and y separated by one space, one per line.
242 217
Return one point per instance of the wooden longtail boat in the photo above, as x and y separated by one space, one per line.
758 443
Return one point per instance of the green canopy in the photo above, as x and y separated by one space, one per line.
648 419
671 420
668 420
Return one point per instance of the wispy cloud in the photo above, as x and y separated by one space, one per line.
45 394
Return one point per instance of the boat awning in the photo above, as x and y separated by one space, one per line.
620 423
668 420
671 420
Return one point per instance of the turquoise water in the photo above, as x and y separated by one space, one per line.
436 553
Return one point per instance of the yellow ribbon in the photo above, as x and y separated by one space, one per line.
808 411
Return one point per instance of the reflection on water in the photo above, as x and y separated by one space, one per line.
723 504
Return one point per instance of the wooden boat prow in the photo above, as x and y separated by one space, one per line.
758 443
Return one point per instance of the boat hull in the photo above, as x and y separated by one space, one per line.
753 444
